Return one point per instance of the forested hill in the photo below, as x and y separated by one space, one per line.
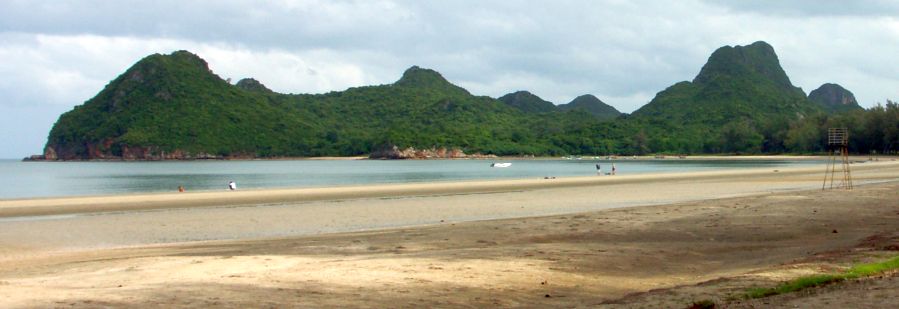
531 103
173 107
593 105
741 93
527 102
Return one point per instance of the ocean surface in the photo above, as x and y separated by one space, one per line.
52 179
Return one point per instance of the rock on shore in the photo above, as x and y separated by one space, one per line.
393 152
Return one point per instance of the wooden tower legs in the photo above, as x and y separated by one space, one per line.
831 169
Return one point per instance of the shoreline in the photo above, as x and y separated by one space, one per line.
167 200
585 157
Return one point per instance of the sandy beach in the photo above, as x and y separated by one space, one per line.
661 240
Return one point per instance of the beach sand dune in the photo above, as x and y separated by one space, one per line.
704 237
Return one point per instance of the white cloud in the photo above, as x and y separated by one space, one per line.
70 69
51 74
314 71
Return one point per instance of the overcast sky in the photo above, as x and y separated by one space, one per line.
55 55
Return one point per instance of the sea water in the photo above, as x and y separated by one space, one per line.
52 179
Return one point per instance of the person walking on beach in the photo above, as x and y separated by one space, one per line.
613 168
598 170
232 185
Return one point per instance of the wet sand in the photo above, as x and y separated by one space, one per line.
546 242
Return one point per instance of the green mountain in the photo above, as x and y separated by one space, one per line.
739 95
427 79
174 107
527 102
530 103
592 105
834 98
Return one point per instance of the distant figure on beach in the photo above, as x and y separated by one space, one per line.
613 168
598 170
180 188
232 186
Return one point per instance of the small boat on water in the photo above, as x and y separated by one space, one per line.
505 164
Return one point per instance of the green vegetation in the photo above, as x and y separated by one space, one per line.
794 285
592 105
530 103
527 102
741 102
858 271
872 131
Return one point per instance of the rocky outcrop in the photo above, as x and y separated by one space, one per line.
50 154
104 152
393 152
834 98
134 153
100 151
35 158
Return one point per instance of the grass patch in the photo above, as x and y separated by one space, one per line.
857 271
794 285
863 270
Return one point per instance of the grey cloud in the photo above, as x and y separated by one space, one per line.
315 23
812 7
510 35
622 47
622 51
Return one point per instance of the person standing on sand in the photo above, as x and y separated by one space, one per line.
598 170
613 168
232 185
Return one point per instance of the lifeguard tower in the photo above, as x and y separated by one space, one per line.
837 142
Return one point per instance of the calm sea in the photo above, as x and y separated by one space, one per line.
45 179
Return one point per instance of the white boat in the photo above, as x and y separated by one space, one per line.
505 164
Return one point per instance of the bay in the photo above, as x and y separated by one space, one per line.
54 179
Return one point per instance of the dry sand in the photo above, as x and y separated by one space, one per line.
550 242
